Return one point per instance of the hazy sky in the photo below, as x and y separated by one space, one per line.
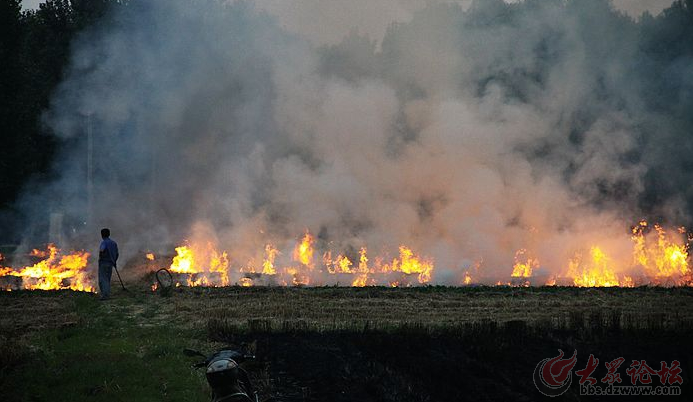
330 20
637 7
30 3
311 17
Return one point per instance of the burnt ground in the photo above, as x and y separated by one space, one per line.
477 362
336 344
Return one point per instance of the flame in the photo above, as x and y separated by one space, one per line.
660 256
184 261
467 278
298 278
55 271
413 264
40 253
327 261
198 263
220 263
627 281
343 265
523 269
268 263
362 279
202 265
245 282
595 272
303 252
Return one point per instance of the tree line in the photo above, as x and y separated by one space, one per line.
34 53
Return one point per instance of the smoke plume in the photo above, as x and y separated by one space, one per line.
465 130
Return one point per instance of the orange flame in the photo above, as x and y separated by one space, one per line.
595 272
412 264
343 265
660 256
268 263
467 278
303 252
220 263
197 262
201 264
55 271
362 279
39 253
523 269
184 261
245 282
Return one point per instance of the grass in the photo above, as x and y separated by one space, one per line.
69 346
89 350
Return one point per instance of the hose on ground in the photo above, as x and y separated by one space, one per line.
162 285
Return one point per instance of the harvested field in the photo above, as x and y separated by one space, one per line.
339 344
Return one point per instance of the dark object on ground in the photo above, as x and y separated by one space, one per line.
227 378
164 285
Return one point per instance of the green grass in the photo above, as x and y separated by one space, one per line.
108 356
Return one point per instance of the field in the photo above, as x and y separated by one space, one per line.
334 344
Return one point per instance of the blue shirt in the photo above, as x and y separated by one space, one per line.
108 251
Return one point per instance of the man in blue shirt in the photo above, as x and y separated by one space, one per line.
108 256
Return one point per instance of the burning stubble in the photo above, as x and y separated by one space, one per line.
462 136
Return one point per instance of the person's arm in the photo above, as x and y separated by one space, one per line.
112 250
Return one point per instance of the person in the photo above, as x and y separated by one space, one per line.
108 257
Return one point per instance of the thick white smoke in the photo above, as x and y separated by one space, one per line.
467 133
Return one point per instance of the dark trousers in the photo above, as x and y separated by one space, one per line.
105 271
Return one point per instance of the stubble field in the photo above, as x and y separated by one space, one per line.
333 344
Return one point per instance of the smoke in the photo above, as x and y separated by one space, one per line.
467 132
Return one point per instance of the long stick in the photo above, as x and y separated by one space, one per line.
119 278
